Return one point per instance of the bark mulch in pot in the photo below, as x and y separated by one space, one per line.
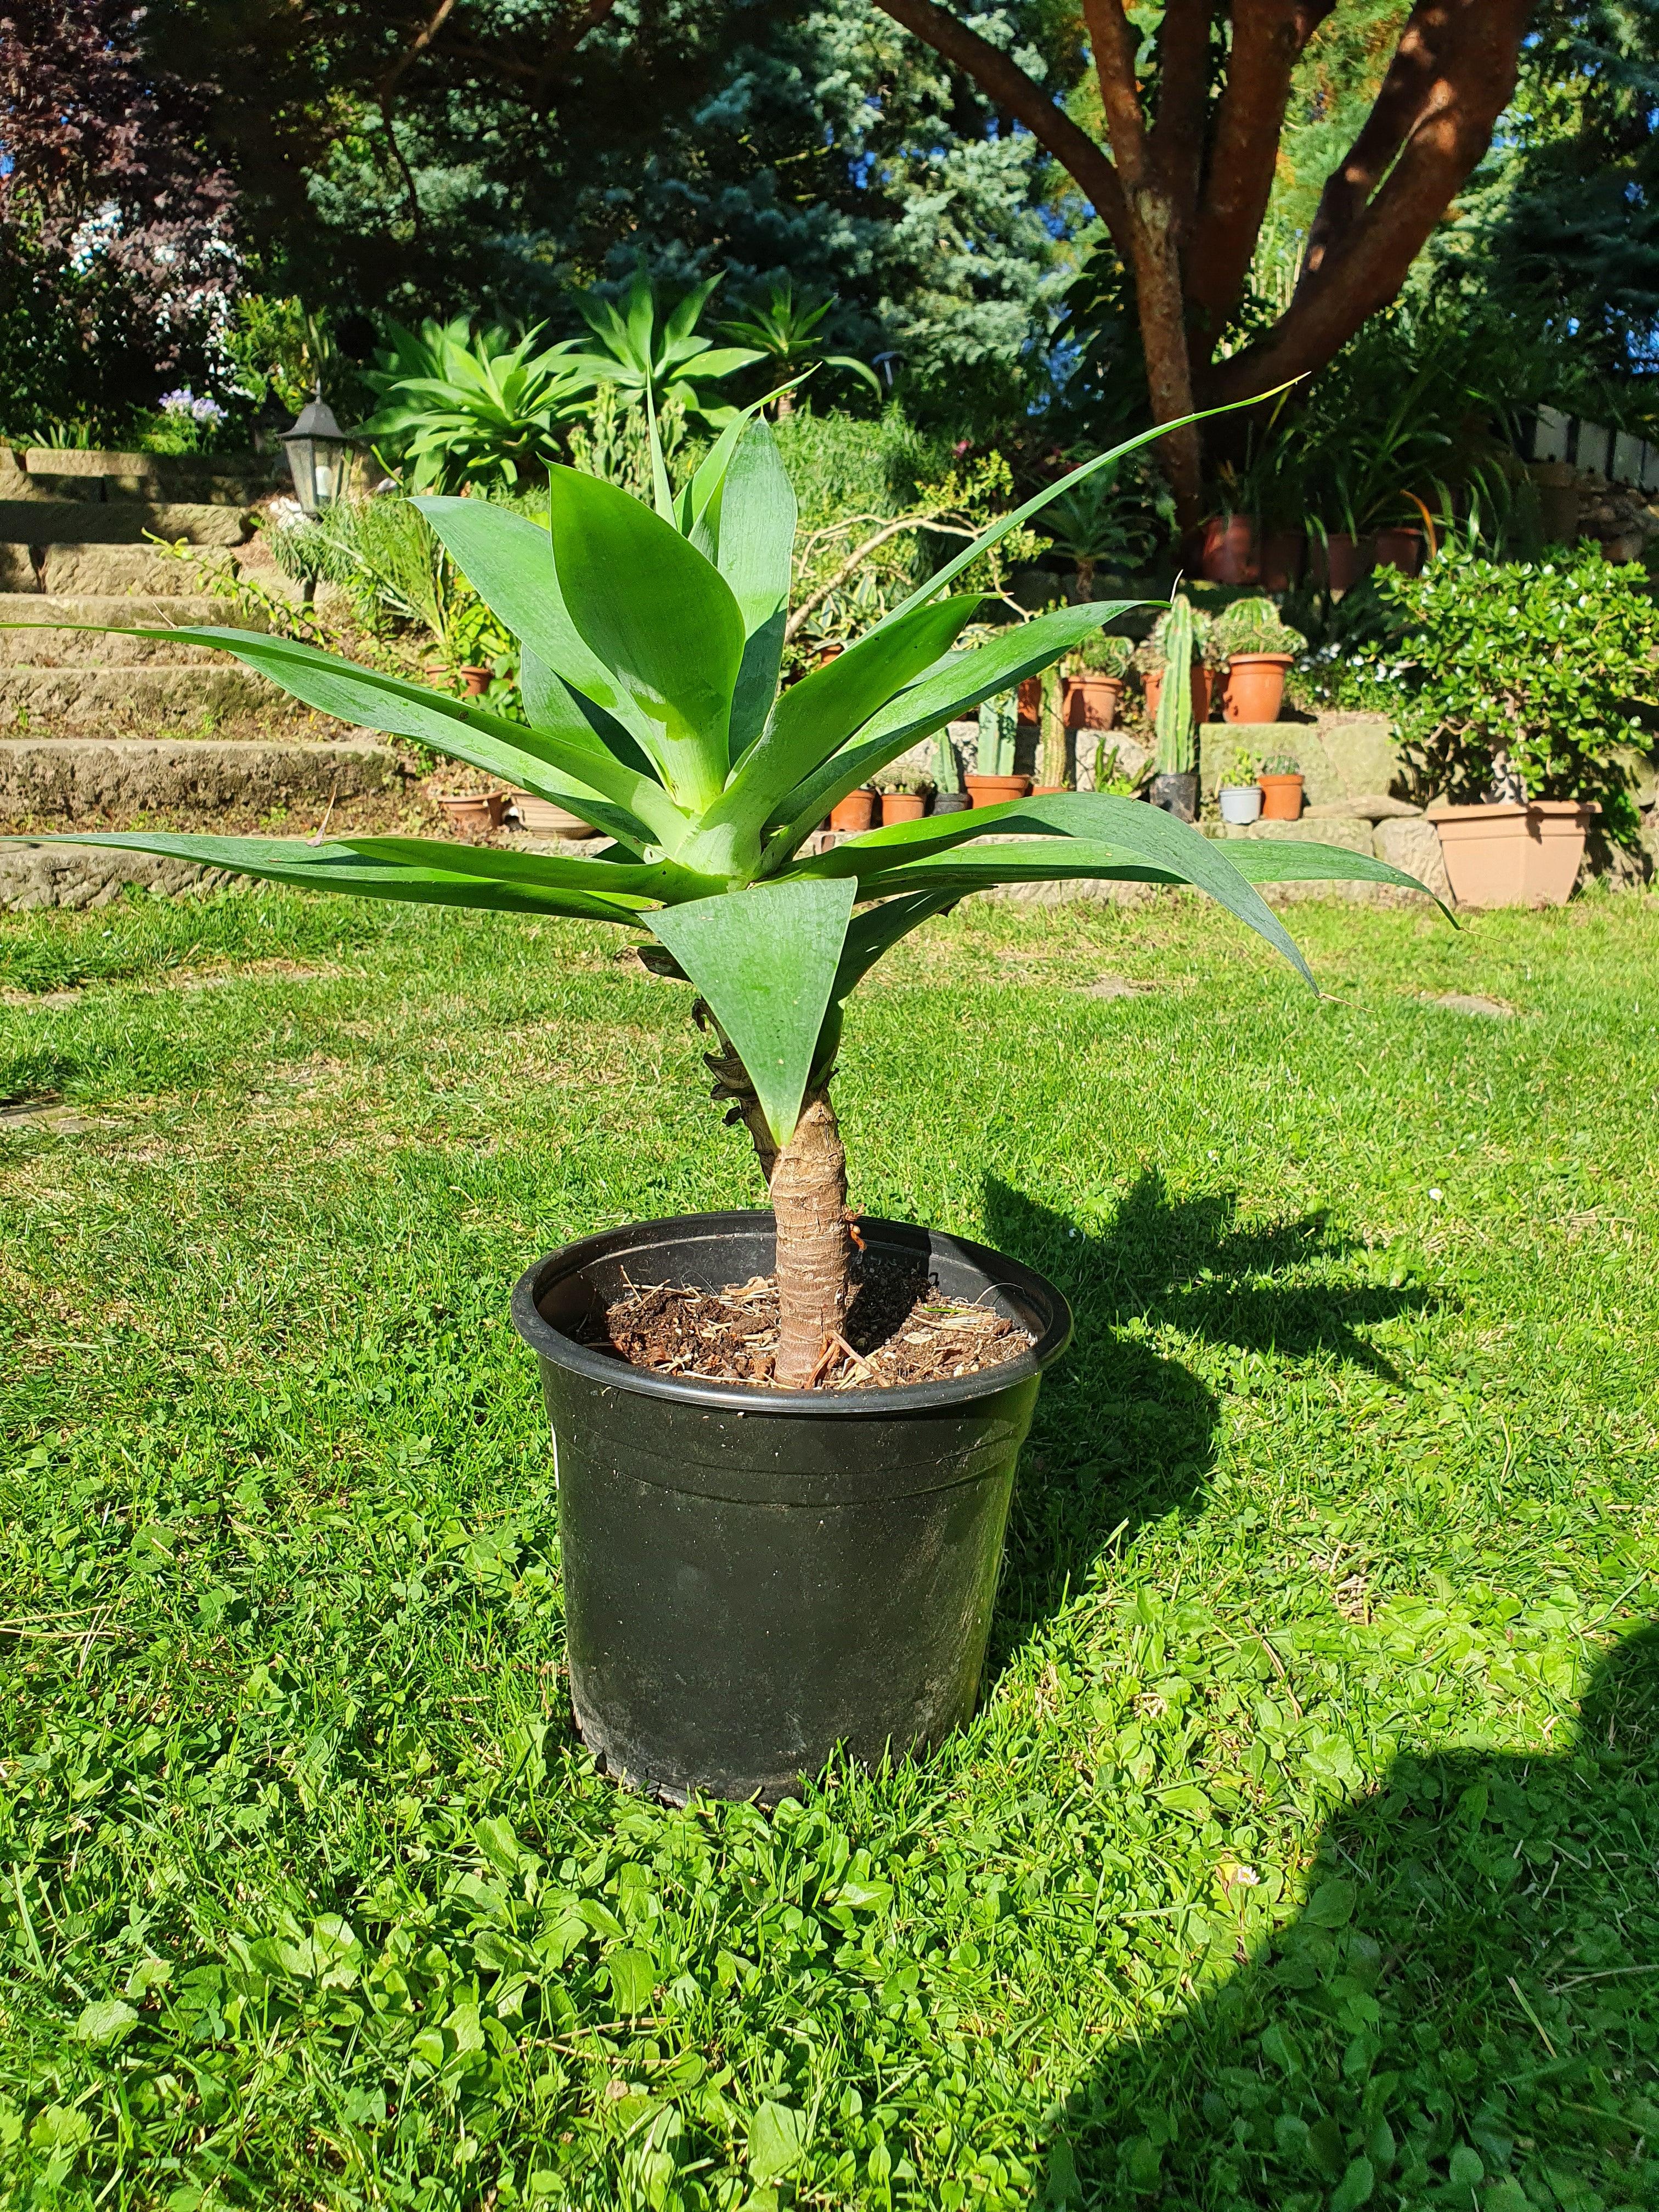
901 1328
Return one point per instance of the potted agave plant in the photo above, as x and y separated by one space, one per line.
1256 647
766 1552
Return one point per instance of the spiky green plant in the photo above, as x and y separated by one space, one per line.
946 777
999 729
459 407
1174 699
650 637
656 358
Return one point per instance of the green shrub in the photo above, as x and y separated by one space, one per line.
1524 675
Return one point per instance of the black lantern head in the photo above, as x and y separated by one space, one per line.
319 455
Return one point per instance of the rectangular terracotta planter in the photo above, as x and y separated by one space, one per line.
1511 854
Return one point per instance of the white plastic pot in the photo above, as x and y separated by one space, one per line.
1240 802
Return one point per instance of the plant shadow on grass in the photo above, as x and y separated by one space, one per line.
1465 2013
1123 1435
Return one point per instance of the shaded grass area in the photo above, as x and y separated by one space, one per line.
1302 1855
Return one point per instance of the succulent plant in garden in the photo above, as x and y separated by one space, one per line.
650 637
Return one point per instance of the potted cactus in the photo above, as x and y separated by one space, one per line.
1150 656
1256 647
1175 759
949 797
993 781
776 1545
1094 682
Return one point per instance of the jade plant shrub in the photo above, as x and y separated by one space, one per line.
650 639
1519 679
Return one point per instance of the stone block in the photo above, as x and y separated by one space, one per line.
17 569
1342 757
121 522
1640 771
33 876
1372 806
1414 846
114 571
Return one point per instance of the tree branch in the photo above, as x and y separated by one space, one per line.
1176 143
1005 81
1268 38
412 53
1434 120
1114 45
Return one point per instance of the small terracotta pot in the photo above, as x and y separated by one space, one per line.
1400 548
1255 687
830 653
1283 552
855 813
1281 798
1154 684
902 806
1513 855
993 790
1028 699
473 810
439 672
544 818
1231 554
476 678
1090 701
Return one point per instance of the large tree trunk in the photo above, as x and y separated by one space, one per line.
807 1182
1183 199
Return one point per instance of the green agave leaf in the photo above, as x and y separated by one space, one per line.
636 883
1118 836
964 680
508 560
765 959
757 538
698 494
814 717
1288 860
338 868
638 809
551 704
661 617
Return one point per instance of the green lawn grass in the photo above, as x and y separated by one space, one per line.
1303 1852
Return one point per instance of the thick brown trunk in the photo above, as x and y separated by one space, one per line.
807 1180
1163 343
815 1249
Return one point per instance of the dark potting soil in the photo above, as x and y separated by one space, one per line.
901 1328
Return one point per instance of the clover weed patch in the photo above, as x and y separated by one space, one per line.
1303 1852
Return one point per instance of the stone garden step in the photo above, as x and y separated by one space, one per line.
75 777
99 638
132 696
45 472
119 522
116 571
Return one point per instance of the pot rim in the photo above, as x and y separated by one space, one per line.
1499 810
551 1343
1278 775
1259 659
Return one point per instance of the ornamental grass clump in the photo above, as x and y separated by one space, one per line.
650 636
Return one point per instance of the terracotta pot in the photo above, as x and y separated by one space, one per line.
1281 798
1028 698
1154 684
476 678
1048 790
1090 701
1283 552
830 653
544 818
1231 554
993 790
439 672
855 813
902 806
1255 686
473 810
1340 561
1177 794
1400 548
1514 856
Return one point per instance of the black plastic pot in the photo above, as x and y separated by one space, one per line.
952 802
1177 795
754 1576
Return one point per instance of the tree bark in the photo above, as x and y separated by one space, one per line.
814 1248
1449 83
807 1182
